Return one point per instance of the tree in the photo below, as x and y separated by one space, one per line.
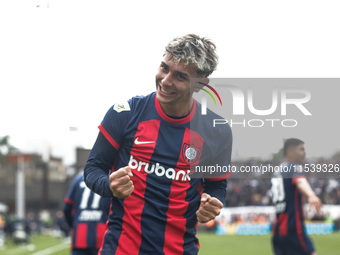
278 156
336 156
6 148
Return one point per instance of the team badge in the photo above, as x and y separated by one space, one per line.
190 153
121 107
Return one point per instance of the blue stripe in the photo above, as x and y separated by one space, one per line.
193 197
91 227
115 225
157 191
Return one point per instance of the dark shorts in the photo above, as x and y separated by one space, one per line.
293 245
84 252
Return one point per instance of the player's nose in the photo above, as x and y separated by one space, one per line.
167 80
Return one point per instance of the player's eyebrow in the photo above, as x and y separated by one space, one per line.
163 64
177 72
183 74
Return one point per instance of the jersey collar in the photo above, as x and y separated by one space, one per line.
171 120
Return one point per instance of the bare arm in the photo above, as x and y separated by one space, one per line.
304 187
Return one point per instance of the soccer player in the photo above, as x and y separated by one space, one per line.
288 188
151 143
86 213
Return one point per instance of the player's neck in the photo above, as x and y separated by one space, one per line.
293 161
289 160
177 110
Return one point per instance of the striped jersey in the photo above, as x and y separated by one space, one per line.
288 201
86 213
159 217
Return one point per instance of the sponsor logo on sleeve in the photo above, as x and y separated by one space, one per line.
120 107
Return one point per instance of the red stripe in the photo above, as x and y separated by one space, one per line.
296 177
109 137
200 188
175 121
176 222
283 224
131 236
190 138
100 228
81 236
297 219
67 200
113 168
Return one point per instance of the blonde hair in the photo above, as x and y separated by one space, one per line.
191 48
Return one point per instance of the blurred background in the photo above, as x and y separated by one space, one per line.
64 63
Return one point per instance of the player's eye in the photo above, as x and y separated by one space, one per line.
180 77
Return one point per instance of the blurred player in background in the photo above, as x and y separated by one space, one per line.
86 213
149 145
288 188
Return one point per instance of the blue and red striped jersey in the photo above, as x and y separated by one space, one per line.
159 217
86 213
288 201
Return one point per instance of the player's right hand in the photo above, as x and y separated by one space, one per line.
121 184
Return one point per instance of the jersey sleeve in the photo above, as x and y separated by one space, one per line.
216 185
297 173
71 193
69 200
216 189
105 149
221 158
114 123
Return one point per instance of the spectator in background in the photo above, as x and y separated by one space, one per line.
62 223
86 213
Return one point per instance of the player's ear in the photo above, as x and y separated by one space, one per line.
201 83
205 80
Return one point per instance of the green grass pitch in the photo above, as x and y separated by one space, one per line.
211 244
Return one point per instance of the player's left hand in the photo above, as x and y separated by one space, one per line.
209 208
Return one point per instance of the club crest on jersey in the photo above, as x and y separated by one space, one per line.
190 153
121 107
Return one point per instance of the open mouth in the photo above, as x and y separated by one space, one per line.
165 91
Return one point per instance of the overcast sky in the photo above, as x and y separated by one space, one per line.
65 65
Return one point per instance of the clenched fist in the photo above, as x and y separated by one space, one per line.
121 184
209 208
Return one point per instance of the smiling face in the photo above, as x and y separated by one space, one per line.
173 86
